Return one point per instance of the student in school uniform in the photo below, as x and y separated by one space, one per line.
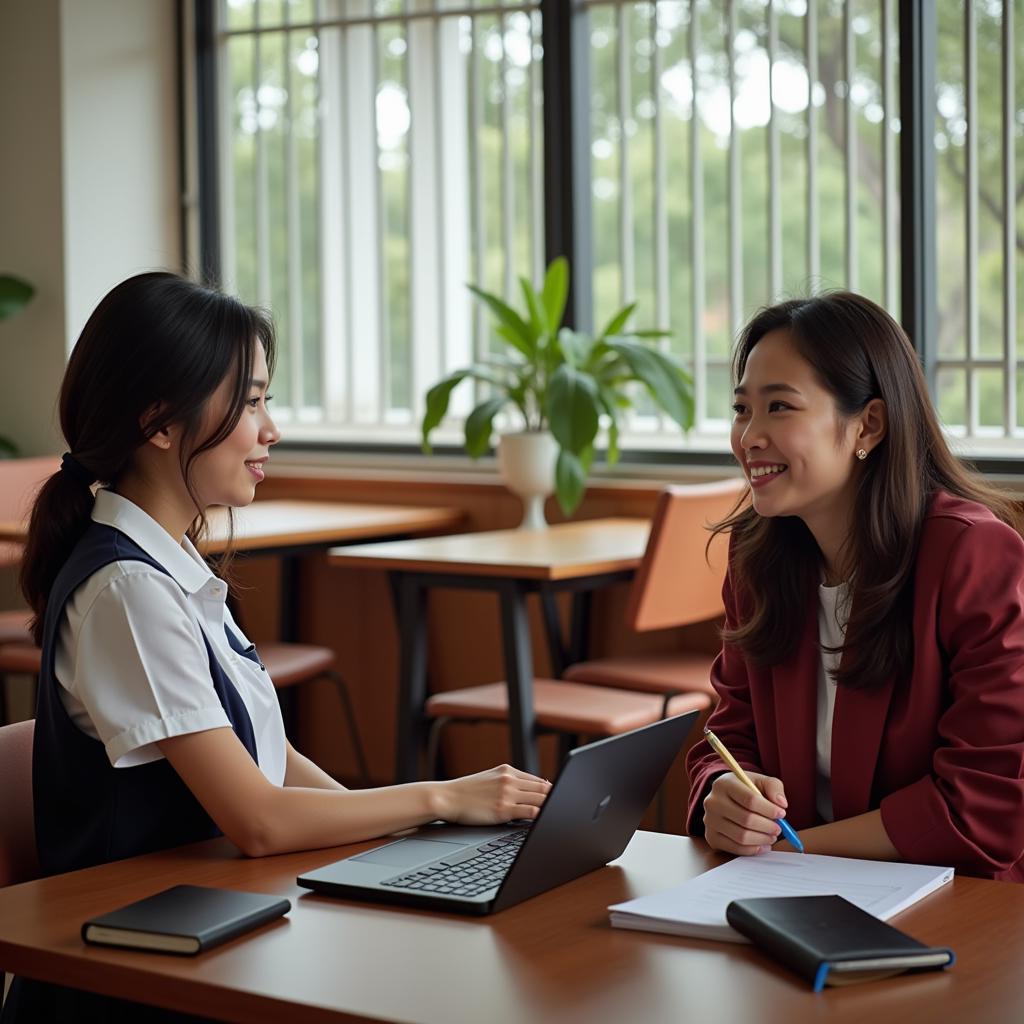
156 723
871 679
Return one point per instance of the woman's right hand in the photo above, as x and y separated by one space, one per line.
739 821
492 797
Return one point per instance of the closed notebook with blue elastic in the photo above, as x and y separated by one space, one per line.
830 941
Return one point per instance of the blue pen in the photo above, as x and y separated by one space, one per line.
788 832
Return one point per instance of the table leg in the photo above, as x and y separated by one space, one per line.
411 609
288 632
553 628
515 629
579 631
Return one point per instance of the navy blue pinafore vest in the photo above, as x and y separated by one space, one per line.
86 811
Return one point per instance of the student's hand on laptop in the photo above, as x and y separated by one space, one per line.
491 797
739 821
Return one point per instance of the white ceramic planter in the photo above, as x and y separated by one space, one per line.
527 465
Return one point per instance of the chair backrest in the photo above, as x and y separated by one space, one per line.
677 583
18 861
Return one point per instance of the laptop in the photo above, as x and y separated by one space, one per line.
591 813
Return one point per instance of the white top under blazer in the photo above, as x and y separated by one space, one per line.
130 656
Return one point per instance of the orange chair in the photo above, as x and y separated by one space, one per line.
291 664
679 582
571 709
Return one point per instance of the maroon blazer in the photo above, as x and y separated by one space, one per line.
941 754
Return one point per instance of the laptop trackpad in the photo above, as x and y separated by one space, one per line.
407 852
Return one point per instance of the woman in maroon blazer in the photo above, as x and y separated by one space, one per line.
871 679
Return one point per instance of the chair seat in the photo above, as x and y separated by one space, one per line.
25 658
290 664
565 707
14 627
685 672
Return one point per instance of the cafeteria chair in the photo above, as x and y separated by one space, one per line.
678 583
17 829
293 664
569 709
18 861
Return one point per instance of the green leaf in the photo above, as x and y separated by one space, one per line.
618 321
651 332
570 481
438 398
538 314
14 294
576 346
519 333
668 383
555 291
8 449
479 425
611 402
573 408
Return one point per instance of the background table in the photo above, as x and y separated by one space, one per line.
578 556
291 529
551 960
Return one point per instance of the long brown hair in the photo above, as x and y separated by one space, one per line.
858 353
156 342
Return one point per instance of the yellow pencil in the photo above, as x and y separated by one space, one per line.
720 749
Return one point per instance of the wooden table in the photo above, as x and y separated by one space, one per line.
552 960
289 529
576 556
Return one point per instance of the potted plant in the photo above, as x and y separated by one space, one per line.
563 384
14 293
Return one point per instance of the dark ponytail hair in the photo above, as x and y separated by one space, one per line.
858 353
151 355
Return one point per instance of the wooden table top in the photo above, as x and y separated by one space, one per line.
554 958
591 547
281 524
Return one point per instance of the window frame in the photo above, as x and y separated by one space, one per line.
567 217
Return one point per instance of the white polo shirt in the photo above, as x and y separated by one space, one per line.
130 656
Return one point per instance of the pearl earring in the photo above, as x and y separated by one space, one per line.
861 454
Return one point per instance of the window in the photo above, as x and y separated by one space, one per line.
374 158
376 155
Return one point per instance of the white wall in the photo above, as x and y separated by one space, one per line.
89 187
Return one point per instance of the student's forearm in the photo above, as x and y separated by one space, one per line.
863 836
296 818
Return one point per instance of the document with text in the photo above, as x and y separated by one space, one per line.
697 907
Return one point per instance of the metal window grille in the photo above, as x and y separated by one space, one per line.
376 155
742 151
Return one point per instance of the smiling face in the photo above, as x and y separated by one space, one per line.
797 452
228 474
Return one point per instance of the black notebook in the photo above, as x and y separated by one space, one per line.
185 919
829 940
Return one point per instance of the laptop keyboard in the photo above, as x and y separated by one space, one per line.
469 876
